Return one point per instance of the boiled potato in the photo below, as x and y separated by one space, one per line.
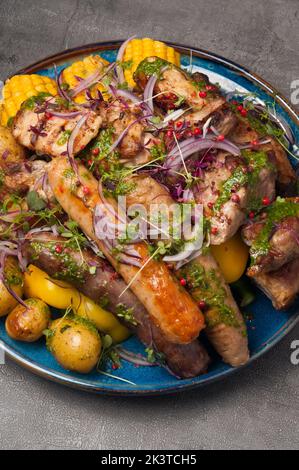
232 257
75 343
14 277
28 324
9 147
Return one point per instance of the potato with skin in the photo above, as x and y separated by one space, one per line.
75 343
28 324
10 150
14 278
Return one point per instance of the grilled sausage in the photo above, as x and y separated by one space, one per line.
168 304
185 361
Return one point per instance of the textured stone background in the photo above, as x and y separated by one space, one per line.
258 407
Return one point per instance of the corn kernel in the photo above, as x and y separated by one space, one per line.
20 87
139 49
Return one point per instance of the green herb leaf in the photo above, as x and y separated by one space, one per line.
35 202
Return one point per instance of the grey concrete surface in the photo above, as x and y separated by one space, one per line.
258 407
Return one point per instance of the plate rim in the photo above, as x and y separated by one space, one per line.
72 382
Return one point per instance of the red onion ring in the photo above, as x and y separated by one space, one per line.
136 359
148 92
96 77
119 58
61 92
71 141
197 145
69 115
124 133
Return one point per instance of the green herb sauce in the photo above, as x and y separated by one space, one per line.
207 285
280 209
149 68
241 178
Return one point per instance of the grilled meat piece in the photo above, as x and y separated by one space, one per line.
185 361
273 237
120 115
170 307
243 133
228 187
224 120
281 286
176 86
47 134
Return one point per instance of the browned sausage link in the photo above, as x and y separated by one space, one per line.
226 328
185 361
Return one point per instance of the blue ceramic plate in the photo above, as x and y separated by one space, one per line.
268 326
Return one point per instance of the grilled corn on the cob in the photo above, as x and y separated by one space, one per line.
21 87
139 49
83 69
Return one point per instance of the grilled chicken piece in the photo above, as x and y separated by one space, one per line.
226 328
286 176
170 307
47 134
174 85
120 115
228 187
274 237
185 361
281 286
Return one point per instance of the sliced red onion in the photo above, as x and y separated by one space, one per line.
186 253
127 95
174 158
96 77
206 127
10 216
121 217
23 261
119 58
38 230
187 260
129 256
214 130
124 133
9 248
188 195
173 116
131 252
69 115
148 92
129 260
5 154
61 91
71 141
136 359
